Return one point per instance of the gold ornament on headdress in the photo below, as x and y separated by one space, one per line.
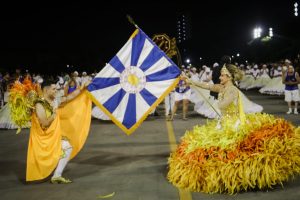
225 71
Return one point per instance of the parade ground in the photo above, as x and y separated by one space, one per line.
131 167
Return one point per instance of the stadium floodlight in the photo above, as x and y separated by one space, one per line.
271 32
257 32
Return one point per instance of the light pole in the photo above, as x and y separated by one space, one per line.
256 34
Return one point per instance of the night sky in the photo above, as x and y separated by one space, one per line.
48 37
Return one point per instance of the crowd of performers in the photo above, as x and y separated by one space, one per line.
241 149
267 78
65 84
270 79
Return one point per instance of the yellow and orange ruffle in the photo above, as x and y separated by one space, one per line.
259 154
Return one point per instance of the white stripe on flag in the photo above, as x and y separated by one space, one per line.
124 54
108 72
102 95
158 87
141 106
159 65
121 109
147 48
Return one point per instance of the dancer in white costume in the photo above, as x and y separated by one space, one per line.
275 86
169 103
263 78
256 75
250 80
207 78
85 78
195 77
60 87
247 76
202 71
193 74
5 120
201 96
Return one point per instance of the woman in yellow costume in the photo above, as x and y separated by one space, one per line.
59 128
238 152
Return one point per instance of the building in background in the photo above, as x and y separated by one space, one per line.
183 34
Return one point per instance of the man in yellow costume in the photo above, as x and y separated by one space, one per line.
59 129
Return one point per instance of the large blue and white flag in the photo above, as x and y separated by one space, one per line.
134 82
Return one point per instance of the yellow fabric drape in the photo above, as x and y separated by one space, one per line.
44 149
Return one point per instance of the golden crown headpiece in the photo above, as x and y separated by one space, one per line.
225 71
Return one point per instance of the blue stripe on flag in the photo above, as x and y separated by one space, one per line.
117 64
148 97
168 73
137 47
112 103
130 113
100 83
151 59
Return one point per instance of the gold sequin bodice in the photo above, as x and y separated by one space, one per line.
229 94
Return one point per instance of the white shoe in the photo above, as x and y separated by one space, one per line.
289 112
295 112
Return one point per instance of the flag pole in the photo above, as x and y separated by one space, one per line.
204 98
131 21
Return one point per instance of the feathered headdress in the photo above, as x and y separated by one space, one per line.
22 97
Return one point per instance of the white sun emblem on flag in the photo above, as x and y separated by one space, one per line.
133 79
